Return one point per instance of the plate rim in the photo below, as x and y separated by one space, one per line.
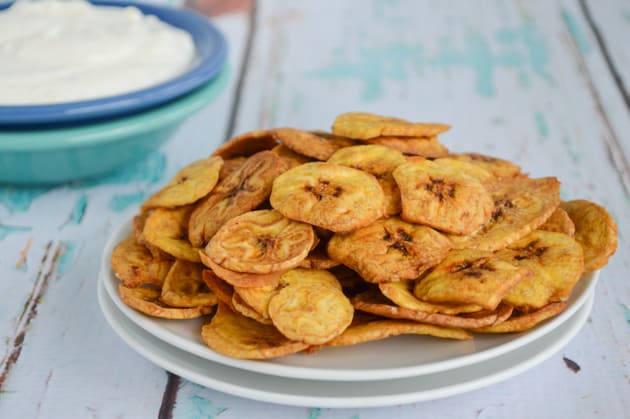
107 277
565 333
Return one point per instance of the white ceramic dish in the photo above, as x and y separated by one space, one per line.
341 394
409 355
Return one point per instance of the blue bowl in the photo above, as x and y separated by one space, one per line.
211 51
54 155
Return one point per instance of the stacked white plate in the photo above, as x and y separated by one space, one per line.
407 368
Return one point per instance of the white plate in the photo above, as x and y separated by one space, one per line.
408 355
340 394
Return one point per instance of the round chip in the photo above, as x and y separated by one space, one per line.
134 265
389 250
237 336
524 322
363 126
560 222
257 297
557 262
310 313
237 194
442 198
246 144
328 195
380 162
290 158
240 306
230 166
521 204
147 301
425 147
241 279
470 277
184 287
166 229
595 230
261 242
219 287
305 143
401 294
189 185
498 167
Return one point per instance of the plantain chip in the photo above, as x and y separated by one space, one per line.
429 147
239 305
230 166
557 262
380 162
470 277
246 144
134 265
382 329
290 158
219 287
521 204
241 279
306 143
363 126
525 321
372 301
559 221
184 287
311 308
389 250
232 334
237 194
401 294
166 230
147 301
498 167
261 242
442 197
327 195
595 230
189 185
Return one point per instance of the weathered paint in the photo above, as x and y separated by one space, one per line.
576 32
6 230
121 202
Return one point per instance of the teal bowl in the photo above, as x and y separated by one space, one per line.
55 155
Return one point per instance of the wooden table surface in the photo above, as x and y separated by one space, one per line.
542 83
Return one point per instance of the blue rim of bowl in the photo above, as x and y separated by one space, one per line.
211 50
42 140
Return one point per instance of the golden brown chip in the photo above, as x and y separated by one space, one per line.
525 321
425 147
240 306
389 250
309 312
134 265
363 126
261 242
318 261
521 204
184 287
381 329
137 225
257 297
306 143
290 158
442 197
498 167
378 161
230 166
147 301
557 262
237 194
219 287
468 168
247 144
559 221
241 279
470 277
595 230
189 185
327 195
401 294
235 335
372 301
166 229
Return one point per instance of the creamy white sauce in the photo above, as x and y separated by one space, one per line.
65 51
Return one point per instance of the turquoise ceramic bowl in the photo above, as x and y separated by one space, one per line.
54 155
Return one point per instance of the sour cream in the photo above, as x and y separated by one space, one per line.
66 51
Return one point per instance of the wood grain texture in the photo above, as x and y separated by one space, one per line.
527 81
